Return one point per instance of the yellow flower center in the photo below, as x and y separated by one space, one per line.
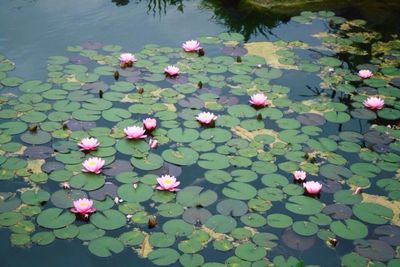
91 163
83 204
167 181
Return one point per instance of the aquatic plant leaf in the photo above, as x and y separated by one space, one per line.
349 229
105 246
221 223
54 218
108 219
192 196
163 256
241 191
372 213
250 252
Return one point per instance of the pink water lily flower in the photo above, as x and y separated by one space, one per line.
83 206
93 165
135 132
191 46
206 117
299 175
171 71
374 103
258 100
126 59
365 74
312 187
167 182
150 124
88 143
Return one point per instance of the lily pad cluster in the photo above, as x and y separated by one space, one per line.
238 197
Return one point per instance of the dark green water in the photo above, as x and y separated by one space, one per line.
31 31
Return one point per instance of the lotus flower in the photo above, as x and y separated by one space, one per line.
171 71
83 206
374 103
88 143
299 175
135 132
167 182
258 100
149 124
126 60
206 117
191 46
365 74
153 143
312 187
93 165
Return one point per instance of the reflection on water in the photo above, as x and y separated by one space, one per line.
155 7
251 21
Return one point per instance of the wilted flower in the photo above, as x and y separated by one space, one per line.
374 103
135 132
167 182
191 46
206 117
88 143
150 124
312 187
171 71
364 74
93 165
83 206
258 100
299 175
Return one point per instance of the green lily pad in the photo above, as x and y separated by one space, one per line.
139 194
177 227
181 156
278 220
163 256
372 213
183 135
305 228
108 219
221 223
105 246
149 162
54 218
349 229
303 205
193 196
241 191
250 252
213 161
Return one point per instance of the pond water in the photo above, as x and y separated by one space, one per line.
238 203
